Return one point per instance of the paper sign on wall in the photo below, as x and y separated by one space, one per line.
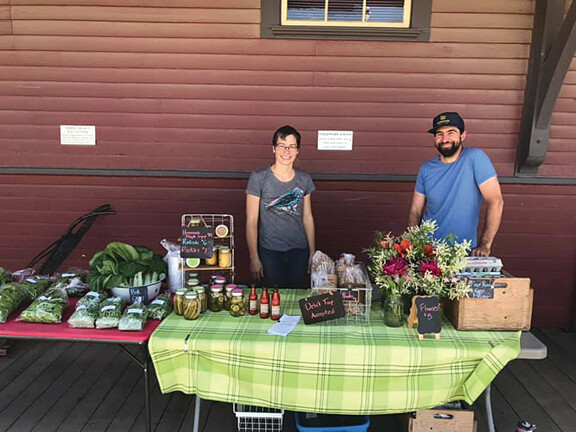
335 140
77 135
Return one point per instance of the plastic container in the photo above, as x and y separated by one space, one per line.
258 419
325 423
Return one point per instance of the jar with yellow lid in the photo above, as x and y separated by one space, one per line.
213 260
179 301
224 257
191 305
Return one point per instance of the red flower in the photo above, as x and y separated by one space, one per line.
430 266
403 247
394 266
429 251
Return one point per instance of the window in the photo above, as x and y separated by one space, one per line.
346 19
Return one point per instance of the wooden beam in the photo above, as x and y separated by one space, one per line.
552 50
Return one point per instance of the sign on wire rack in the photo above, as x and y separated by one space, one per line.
197 242
322 307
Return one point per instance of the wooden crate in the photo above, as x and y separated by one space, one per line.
510 309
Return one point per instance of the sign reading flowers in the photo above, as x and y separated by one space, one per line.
416 263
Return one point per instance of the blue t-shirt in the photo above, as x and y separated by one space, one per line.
453 197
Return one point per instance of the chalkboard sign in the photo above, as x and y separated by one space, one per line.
350 295
139 294
482 288
322 307
427 308
197 242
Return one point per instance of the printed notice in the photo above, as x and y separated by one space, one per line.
335 140
77 135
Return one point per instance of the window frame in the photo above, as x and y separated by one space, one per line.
419 30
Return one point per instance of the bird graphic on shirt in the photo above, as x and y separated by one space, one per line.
287 202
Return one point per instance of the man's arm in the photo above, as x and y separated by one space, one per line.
252 213
309 229
492 194
416 209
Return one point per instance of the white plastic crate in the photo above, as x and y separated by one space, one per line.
258 419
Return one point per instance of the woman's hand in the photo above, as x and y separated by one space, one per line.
256 269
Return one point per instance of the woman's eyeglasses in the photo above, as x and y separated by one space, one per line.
287 148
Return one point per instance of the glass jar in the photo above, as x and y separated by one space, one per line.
202 298
228 291
219 280
216 299
393 310
237 303
214 259
191 283
194 222
179 301
224 257
191 306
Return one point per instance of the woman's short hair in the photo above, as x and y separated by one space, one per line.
283 132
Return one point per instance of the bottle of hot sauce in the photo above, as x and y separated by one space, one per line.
275 305
253 302
264 304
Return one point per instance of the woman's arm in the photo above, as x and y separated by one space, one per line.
252 213
308 220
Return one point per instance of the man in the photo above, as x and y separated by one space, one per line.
452 185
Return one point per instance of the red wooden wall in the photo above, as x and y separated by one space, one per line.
188 85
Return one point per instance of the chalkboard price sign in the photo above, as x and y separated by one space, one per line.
482 288
139 294
425 312
322 307
197 242
350 295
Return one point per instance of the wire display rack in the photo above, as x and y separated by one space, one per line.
258 419
204 270
357 301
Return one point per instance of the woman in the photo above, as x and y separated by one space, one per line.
279 221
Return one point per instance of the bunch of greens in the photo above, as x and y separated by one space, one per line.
73 283
13 295
160 307
5 276
134 317
109 313
87 310
48 308
124 265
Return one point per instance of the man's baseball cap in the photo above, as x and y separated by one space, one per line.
447 119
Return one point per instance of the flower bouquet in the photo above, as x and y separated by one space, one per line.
415 263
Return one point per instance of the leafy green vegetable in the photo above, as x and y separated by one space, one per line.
87 310
160 307
124 265
47 308
110 312
5 276
133 318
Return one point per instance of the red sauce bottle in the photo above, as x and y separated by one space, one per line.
264 304
253 302
275 305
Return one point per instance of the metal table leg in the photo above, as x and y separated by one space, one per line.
197 414
144 363
489 416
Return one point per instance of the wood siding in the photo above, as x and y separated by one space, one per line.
188 85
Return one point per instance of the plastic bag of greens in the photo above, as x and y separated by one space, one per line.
11 297
36 285
87 310
160 307
133 318
73 284
47 308
5 276
110 312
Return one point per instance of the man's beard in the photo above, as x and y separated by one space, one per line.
450 151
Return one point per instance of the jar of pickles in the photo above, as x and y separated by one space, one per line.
214 259
218 280
224 257
191 305
237 303
191 283
216 299
179 301
202 298
228 291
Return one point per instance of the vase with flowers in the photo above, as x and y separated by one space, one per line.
416 263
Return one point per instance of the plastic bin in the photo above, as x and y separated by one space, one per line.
328 423
258 419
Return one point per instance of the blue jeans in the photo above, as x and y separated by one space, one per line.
286 269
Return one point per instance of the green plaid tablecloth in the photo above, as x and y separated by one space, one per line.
325 368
